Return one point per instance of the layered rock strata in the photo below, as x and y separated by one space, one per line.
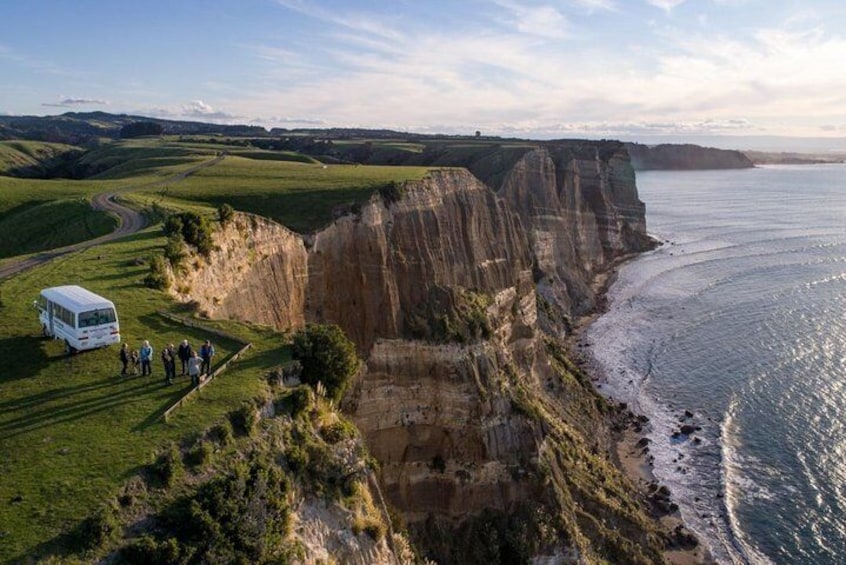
473 413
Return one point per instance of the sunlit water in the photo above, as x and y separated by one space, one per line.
739 318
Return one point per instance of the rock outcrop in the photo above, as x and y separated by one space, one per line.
482 428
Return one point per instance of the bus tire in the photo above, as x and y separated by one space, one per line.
69 349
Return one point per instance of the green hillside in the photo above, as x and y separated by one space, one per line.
71 430
30 158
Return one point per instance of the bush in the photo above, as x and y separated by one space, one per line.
168 467
194 229
295 402
239 517
338 430
175 251
146 550
221 434
225 213
155 213
173 225
326 356
200 454
157 278
244 420
98 529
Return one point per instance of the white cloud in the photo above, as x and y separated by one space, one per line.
201 110
593 5
697 79
666 5
71 102
540 20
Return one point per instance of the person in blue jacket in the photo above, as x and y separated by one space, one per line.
146 356
207 352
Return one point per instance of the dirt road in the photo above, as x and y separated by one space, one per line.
130 221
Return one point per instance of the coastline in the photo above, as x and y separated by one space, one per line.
630 446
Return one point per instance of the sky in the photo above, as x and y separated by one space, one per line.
631 69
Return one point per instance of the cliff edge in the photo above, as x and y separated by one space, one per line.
492 446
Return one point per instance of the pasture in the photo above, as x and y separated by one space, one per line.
301 196
72 431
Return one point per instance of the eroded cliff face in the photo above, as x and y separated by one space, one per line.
581 211
482 429
369 272
258 272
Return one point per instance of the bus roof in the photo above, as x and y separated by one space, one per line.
75 298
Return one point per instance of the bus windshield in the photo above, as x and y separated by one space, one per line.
96 317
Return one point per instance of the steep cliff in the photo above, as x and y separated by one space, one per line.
258 271
483 430
580 207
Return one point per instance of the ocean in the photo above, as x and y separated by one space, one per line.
738 318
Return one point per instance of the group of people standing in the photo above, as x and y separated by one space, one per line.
194 363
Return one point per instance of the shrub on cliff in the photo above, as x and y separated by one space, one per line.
225 214
157 277
194 229
327 356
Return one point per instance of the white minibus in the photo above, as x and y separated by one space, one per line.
83 319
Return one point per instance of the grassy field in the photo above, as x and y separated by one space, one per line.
39 214
299 195
18 153
71 430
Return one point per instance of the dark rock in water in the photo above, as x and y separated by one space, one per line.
687 429
642 419
643 442
688 414
697 440
676 435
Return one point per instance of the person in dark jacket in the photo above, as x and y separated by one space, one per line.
185 352
124 358
206 353
169 362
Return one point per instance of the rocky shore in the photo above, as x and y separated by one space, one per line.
631 451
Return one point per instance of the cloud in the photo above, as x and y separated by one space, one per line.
504 74
538 20
201 110
666 5
359 22
71 102
277 120
593 5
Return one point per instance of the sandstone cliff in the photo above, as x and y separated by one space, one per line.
483 430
